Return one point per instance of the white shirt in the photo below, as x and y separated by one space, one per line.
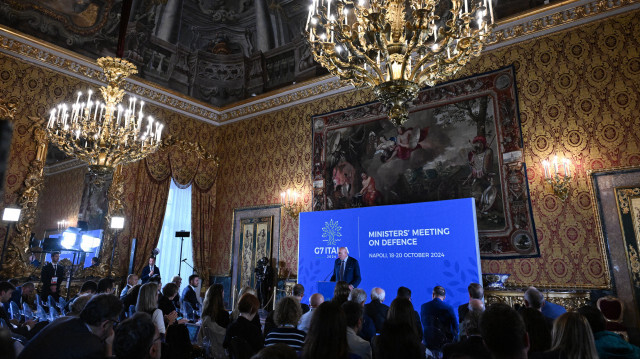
158 320
357 345
305 320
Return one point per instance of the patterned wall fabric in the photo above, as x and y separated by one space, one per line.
578 98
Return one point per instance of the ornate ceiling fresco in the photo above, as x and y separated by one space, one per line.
219 52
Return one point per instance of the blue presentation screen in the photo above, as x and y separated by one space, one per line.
417 245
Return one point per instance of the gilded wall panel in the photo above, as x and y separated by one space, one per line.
578 98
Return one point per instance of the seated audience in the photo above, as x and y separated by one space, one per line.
327 336
190 293
608 344
314 301
533 298
7 344
148 303
213 305
137 338
286 317
78 305
375 309
88 287
177 281
539 332
399 337
25 329
213 314
132 297
178 342
298 292
235 313
88 336
243 328
341 292
353 313
165 302
105 285
571 338
132 279
504 333
368 329
276 351
475 292
21 294
404 292
470 346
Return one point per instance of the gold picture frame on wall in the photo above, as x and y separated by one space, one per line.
256 234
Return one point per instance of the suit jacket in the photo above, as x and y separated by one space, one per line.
351 271
462 311
64 338
146 273
438 319
378 312
47 275
165 305
16 297
189 296
368 330
552 310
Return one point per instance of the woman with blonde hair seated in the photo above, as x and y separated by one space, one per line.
148 303
571 338
213 317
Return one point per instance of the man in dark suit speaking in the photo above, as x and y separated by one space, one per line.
346 268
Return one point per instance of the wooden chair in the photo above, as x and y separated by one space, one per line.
613 310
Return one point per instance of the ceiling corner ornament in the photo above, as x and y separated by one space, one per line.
397 46
108 133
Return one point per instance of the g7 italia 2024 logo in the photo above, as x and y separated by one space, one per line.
331 231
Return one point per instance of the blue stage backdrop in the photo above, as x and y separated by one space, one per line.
417 245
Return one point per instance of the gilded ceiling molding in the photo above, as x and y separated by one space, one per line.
540 22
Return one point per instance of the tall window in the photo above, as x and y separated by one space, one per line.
176 218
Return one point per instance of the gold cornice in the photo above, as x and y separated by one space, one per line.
522 27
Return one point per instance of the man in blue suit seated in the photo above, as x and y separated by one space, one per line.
346 268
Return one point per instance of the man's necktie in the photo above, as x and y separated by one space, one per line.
342 271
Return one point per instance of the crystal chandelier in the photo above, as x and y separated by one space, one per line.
105 134
397 46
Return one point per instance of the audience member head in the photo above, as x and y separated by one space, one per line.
288 311
404 292
533 298
399 337
353 314
155 279
377 294
78 304
28 288
439 292
100 313
105 285
6 289
471 323
276 351
132 296
89 287
132 279
177 280
137 338
594 317
194 280
327 335
315 300
341 292
298 290
572 336
147 298
536 326
476 305
358 295
248 304
504 332
475 291
178 342
213 302
170 290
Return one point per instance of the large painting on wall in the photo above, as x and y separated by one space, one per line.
462 139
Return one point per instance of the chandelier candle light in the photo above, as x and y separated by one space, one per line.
559 180
105 134
290 203
397 46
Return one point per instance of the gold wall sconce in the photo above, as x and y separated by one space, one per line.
291 202
557 173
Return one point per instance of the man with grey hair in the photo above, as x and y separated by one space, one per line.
533 298
346 268
368 329
132 279
375 309
314 301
